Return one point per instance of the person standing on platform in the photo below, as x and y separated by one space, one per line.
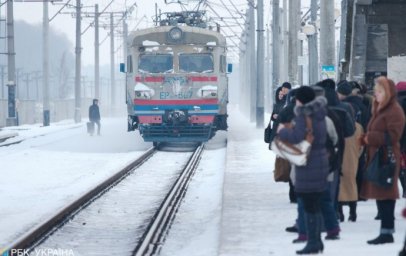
94 114
385 127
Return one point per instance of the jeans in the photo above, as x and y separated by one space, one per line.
327 211
386 210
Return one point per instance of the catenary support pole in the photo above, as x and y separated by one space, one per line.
312 41
78 63
260 66
327 33
112 64
96 53
45 66
253 73
12 117
294 15
275 44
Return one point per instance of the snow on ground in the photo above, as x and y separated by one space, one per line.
43 173
256 209
241 211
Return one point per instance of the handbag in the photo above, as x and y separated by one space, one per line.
282 170
381 169
267 133
295 153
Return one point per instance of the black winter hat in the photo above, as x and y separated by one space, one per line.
287 85
344 88
327 84
305 94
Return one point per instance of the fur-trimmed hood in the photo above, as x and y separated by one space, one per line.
316 108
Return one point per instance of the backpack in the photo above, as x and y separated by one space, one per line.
335 152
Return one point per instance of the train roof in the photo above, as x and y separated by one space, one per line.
192 35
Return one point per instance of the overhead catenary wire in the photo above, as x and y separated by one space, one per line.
59 11
211 8
91 24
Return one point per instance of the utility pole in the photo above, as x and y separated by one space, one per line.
253 73
36 77
96 53
285 41
45 66
268 73
12 118
327 33
294 15
125 38
78 63
27 84
260 65
275 45
312 41
2 67
112 64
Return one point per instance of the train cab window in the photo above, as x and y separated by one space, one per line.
155 63
129 64
196 63
223 64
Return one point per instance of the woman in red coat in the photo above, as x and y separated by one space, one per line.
387 117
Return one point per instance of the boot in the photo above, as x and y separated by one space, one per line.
340 212
382 239
292 229
333 234
353 212
300 239
314 243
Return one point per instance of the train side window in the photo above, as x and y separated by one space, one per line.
223 64
129 64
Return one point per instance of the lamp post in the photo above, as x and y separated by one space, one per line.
310 31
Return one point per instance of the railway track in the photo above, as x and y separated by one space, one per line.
121 195
43 230
154 236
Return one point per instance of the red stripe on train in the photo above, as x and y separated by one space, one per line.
201 119
177 102
150 119
203 78
160 79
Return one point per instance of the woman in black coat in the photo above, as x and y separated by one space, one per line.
311 179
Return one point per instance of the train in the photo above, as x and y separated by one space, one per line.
176 80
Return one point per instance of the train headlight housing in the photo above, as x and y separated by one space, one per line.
141 91
175 34
207 91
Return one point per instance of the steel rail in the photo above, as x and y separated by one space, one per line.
43 230
154 236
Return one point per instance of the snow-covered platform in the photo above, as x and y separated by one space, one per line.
256 209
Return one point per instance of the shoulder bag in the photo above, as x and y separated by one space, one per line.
296 154
381 170
282 170
267 133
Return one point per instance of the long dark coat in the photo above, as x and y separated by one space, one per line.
313 176
94 113
386 117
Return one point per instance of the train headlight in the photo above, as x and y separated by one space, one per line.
141 91
175 34
207 91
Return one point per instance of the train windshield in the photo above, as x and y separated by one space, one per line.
155 63
196 63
